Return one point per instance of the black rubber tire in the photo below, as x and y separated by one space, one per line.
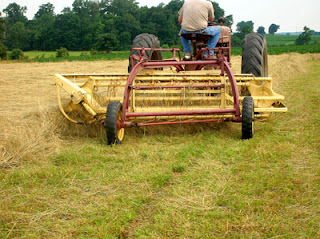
147 41
113 111
247 118
255 55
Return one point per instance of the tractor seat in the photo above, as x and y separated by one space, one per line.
196 36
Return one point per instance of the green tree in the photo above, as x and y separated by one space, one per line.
69 31
228 21
247 25
261 30
127 23
18 37
45 9
125 41
122 7
43 33
236 40
62 52
106 42
243 29
246 29
16 54
174 6
86 9
305 37
2 27
84 25
66 10
273 28
218 11
15 13
3 51
3 48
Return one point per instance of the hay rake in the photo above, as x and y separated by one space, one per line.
147 96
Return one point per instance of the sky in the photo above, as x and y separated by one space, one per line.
292 15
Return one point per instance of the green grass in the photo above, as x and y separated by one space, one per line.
197 181
51 54
237 51
297 49
38 56
287 40
124 55
277 44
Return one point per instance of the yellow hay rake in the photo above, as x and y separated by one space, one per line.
91 94
149 96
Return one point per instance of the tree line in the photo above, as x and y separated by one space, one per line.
101 25
108 24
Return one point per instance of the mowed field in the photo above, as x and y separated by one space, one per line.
59 180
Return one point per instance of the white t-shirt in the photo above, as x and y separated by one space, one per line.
195 14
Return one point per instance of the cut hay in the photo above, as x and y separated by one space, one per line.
31 138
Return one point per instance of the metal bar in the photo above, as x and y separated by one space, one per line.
188 112
126 98
181 122
172 49
77 94
155 49
191 92
177 86
144 98
234 88
61 108
151 119
271 110
180 63
142 109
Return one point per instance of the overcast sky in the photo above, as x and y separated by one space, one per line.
291 15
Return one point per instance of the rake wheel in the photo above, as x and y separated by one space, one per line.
115 135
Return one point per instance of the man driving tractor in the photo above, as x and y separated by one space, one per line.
193 17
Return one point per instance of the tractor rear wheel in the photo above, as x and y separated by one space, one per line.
147 41
115 135
247 118
255 55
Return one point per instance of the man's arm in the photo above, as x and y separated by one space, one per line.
180 19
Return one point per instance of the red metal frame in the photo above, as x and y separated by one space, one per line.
143 63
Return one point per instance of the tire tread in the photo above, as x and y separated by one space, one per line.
254 55
247 119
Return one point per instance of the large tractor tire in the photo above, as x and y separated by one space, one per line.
255 55
247 118
114 114
147 41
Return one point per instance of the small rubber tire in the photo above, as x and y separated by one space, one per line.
147 41
255 55
114 114
247 118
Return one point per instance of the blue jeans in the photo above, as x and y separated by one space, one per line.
212 30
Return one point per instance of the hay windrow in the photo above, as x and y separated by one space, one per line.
31 138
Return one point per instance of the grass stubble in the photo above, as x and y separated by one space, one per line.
197 181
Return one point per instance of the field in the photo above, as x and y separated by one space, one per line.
287 40
277 44
59 180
